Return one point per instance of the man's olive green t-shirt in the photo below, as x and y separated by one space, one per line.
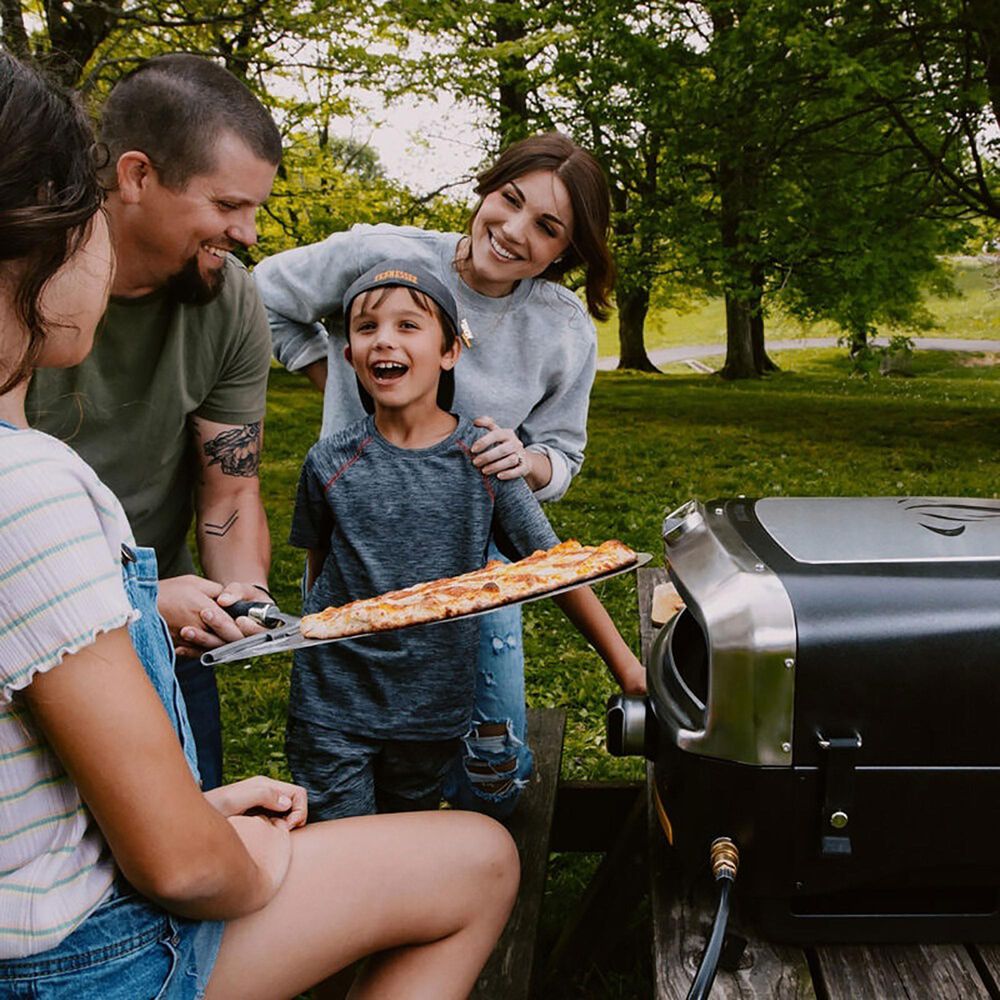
126 408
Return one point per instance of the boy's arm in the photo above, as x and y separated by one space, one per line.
586 612
520 518
312 521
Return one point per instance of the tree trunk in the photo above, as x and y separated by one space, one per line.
857 340
75 33
762 362
986 31
739 340
740 174
632 308
235 50
512 77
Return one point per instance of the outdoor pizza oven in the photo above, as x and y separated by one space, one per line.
829 698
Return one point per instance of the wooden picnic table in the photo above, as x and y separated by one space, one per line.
837 972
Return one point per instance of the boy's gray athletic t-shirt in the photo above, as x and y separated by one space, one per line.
393 517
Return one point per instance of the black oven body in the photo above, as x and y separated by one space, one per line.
849 741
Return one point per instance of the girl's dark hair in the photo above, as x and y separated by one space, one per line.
49 192
588 194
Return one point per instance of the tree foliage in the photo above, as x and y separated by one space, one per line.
810 157
751 145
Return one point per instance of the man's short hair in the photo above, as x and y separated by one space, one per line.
174 108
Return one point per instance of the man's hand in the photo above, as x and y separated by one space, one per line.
196 620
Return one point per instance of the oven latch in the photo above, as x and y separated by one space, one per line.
840 759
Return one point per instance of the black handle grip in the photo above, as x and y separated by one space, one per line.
260 611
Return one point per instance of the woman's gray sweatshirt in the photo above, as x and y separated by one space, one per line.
532 360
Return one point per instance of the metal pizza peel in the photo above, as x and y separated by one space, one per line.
284 633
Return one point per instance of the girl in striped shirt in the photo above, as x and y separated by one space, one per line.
118 877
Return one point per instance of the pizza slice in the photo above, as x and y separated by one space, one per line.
494 585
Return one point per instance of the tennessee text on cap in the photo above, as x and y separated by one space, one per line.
394 273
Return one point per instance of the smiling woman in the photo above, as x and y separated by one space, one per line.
519 231
526 375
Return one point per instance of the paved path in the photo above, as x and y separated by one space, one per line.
667 354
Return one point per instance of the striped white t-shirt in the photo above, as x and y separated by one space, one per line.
61 532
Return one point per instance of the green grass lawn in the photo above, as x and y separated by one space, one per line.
655 442
973 313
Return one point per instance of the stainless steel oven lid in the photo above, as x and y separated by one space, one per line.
836 530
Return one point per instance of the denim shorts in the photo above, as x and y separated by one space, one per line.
127 949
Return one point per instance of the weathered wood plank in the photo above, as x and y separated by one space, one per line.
648 578
590 815
987 959
681 927
593 932
508 972
888 972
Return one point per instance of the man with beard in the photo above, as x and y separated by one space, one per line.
169 406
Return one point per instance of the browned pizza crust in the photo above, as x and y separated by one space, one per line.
494 585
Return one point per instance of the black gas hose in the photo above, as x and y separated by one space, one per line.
725 860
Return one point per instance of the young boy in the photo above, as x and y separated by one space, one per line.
375 722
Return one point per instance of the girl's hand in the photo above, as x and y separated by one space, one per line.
500 452
284 803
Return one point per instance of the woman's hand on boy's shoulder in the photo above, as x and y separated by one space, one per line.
281 801
501 453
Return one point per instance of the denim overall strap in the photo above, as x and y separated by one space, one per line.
152 642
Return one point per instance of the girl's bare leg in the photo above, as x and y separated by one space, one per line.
430 892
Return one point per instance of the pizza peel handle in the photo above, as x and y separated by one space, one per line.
281 627
290 637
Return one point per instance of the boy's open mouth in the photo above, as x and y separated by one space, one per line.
387 371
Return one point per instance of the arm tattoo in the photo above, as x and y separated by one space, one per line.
221 530
236 450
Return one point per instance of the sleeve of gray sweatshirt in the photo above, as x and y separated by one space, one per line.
301 286
557 425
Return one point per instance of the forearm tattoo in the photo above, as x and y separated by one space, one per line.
221 530
237 450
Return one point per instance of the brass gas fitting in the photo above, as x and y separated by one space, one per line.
725 859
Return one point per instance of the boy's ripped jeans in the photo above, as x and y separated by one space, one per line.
495 761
